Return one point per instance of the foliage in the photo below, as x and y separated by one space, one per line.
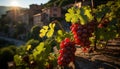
4 24
101 13
39 55
59 3
20 28
6 55
21 50
103 18
62 35
35 32
79 15
62 3
107 12
33 43
47 30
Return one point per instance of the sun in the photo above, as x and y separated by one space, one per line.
14 3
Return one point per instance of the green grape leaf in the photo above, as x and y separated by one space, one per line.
43 31
38 49
28 47
71 10
59 39
74 19
88 13
50 33
52 25
68 17
76 15
51 30
82 11
47 51
60 36
72 15
60 32
47 30
83 19
109 3
78 11
18 60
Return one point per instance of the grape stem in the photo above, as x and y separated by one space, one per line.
95 41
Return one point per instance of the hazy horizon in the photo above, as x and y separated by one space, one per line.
21 3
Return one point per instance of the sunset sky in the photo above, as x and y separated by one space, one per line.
21 3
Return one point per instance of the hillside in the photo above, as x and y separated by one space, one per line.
59 3
62 3
3 9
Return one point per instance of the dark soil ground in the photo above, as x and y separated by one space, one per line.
107 58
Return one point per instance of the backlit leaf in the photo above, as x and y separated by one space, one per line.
43 31
51 30
28 47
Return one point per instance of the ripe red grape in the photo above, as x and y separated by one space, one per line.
67 50
82 33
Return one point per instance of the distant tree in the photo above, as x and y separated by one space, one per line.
4 24
4 19
59 3
62 3
6 28
6 55
20 28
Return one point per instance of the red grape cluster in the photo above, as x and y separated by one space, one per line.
103 24
67 50
82 33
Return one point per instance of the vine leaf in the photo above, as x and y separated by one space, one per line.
76 15
51 30
60 32
88 13
47 30
18 60
28 47
43 31
38 50
60 35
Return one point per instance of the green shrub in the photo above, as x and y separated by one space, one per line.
6 55
33 43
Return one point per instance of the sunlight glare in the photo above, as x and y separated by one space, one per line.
14 3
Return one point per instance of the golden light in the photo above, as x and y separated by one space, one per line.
14 3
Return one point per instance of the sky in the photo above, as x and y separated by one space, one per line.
21 3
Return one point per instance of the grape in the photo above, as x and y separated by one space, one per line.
67 50
104 23
100 25
82 33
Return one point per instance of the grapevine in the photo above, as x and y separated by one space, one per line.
84 26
